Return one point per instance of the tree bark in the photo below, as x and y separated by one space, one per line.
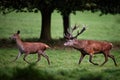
46 25
66 23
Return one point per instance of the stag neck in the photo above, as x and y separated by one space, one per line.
78 44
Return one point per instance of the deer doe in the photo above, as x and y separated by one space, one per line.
29 48
89 47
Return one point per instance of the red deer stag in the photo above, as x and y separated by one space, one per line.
29 48
89 47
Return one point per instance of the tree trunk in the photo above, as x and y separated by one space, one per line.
46 25
66 23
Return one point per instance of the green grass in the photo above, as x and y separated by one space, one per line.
64 62
64 66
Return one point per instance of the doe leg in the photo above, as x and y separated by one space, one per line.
19 54
39 57
24 58
44 55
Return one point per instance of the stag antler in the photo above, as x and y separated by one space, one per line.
74 28
80 32
70 31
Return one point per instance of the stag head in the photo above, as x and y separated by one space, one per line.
71 40
70 36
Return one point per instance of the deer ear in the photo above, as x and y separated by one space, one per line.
18 32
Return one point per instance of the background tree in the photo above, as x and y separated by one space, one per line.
65 7
46 7
106 6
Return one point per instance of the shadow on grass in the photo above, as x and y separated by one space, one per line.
89 76
27 73
52 43
32 73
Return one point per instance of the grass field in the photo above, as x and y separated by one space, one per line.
64 61
64 66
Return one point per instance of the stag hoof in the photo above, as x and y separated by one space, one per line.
96 64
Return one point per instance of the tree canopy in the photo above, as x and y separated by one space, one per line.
105 6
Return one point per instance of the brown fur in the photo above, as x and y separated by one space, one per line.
91 47
30 48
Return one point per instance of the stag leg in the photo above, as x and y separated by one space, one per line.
44 55
106 58
39 57
19 54
111 56
24 58
81 58
90 60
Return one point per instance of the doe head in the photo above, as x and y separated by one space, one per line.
15 35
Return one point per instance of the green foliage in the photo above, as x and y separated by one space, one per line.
64 6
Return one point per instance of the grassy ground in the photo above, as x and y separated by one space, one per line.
64 61
64 66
